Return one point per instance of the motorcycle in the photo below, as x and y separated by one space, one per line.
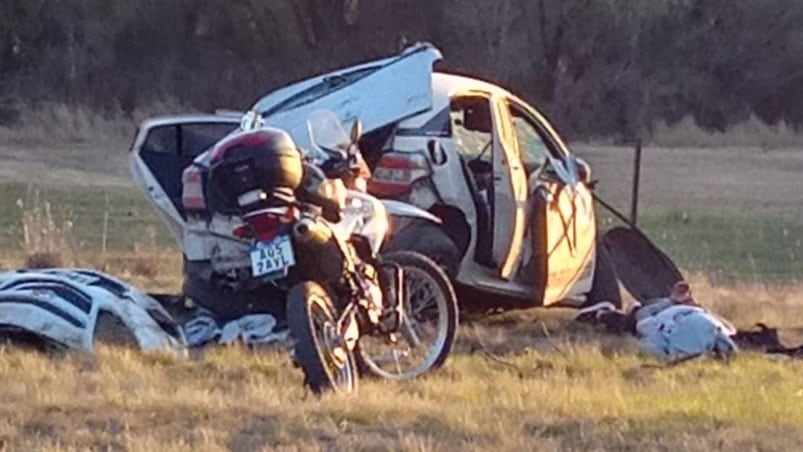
384 330
348 308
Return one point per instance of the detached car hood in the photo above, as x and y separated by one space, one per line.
378 93
645 271
61 306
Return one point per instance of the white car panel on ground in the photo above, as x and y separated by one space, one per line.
63 306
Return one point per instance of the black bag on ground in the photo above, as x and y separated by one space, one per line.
643 269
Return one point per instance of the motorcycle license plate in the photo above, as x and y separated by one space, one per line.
272 257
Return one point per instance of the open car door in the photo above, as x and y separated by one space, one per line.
377 93
509 197
570 238
561 218
163 148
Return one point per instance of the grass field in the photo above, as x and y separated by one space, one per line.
524 380
584 397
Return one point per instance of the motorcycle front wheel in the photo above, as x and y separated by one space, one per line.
313 326
428 326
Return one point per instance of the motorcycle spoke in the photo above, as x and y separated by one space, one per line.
409 332
412 289
396 360
420 309
333 364
422 322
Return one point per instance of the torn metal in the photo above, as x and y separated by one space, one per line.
62 307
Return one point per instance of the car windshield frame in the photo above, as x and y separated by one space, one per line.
550 137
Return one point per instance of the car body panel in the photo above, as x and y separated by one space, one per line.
510 195
402 209
644 270
356 96
145 173
566 286
63 305
571 235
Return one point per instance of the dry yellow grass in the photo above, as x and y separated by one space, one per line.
151 269
63 144
524 380
583 397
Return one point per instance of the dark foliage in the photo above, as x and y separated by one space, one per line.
598 67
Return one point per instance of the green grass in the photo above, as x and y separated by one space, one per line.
727 245
132 221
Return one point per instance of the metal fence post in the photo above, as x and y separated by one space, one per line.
636 178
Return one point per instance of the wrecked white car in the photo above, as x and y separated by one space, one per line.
516 211
61 308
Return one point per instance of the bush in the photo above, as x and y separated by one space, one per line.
45 241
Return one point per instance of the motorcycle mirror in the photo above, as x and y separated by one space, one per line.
251 120
356 130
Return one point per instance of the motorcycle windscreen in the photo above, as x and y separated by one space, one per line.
379 93
645 271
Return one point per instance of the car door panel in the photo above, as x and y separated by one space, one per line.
162 149
509 195
570 234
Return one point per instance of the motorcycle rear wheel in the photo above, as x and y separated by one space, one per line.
312 323
431 315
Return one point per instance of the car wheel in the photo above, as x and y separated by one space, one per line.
430 241
605 285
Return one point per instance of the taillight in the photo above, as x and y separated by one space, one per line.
265 225
192 192
396 172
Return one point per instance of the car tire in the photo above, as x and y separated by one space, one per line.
605 285
432 242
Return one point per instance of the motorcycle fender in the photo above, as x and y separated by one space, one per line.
401 209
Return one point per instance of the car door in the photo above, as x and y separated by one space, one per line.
570 239
563 226
163 148
509 197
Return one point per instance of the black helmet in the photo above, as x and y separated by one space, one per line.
257 164
264 140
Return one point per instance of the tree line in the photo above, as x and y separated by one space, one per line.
607 68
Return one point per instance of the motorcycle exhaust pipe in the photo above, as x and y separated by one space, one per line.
310 230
